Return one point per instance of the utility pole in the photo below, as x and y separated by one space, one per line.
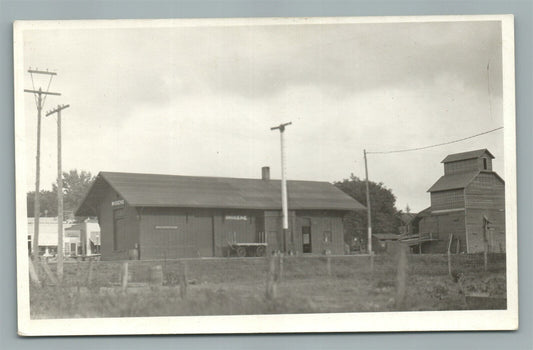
368 210
284 208
39 101
59 193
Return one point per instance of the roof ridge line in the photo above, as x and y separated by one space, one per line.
208 177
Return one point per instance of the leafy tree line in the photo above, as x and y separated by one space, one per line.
75 186
385 217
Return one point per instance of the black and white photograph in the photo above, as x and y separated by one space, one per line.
265 175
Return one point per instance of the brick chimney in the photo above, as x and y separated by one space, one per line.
265 173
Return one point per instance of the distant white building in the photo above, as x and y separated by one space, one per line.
83 238
78 239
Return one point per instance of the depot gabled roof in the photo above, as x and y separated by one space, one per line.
467 155
151 190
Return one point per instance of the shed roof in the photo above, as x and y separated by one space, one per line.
467 155
453 181
387 236
75 227
459 180
151 190
423 213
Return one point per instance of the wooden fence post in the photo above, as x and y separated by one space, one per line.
280 269
485 243
485 261
124 277
78 275
183 280
90 273
401 276
328 263
49 272
450 254
156 276
33 274
271 278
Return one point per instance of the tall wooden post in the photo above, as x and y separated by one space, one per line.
485 243
401 276
368 208
37 202
60 257
39 101
272 280
59 201
124 277
450 240
284 206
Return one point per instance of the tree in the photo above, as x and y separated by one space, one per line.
75 186
385 217
47 199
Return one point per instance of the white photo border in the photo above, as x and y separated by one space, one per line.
285 323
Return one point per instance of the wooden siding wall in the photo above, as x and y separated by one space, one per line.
428 224
485 196
441 226
467 165
165 235
244 231
451 199
489 163
170 233
273 228
461 166
485 191
130 231
321 222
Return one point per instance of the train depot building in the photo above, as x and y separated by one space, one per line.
147 216
467 205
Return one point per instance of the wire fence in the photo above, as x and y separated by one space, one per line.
273 284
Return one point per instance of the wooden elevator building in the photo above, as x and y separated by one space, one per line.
468 201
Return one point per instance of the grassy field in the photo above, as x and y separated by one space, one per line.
232 286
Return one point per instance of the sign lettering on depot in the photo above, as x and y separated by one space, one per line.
118 203
236 217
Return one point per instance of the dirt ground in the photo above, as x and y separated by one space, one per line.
232 286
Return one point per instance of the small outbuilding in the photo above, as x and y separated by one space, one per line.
468 202
148 216
383 242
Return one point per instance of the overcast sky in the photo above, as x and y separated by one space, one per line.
200 100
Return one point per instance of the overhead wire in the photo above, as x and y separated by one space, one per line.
33 87
48 88
436 145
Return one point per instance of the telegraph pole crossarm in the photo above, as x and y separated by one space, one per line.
59 193
281 127
42 92
37 71
58 109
